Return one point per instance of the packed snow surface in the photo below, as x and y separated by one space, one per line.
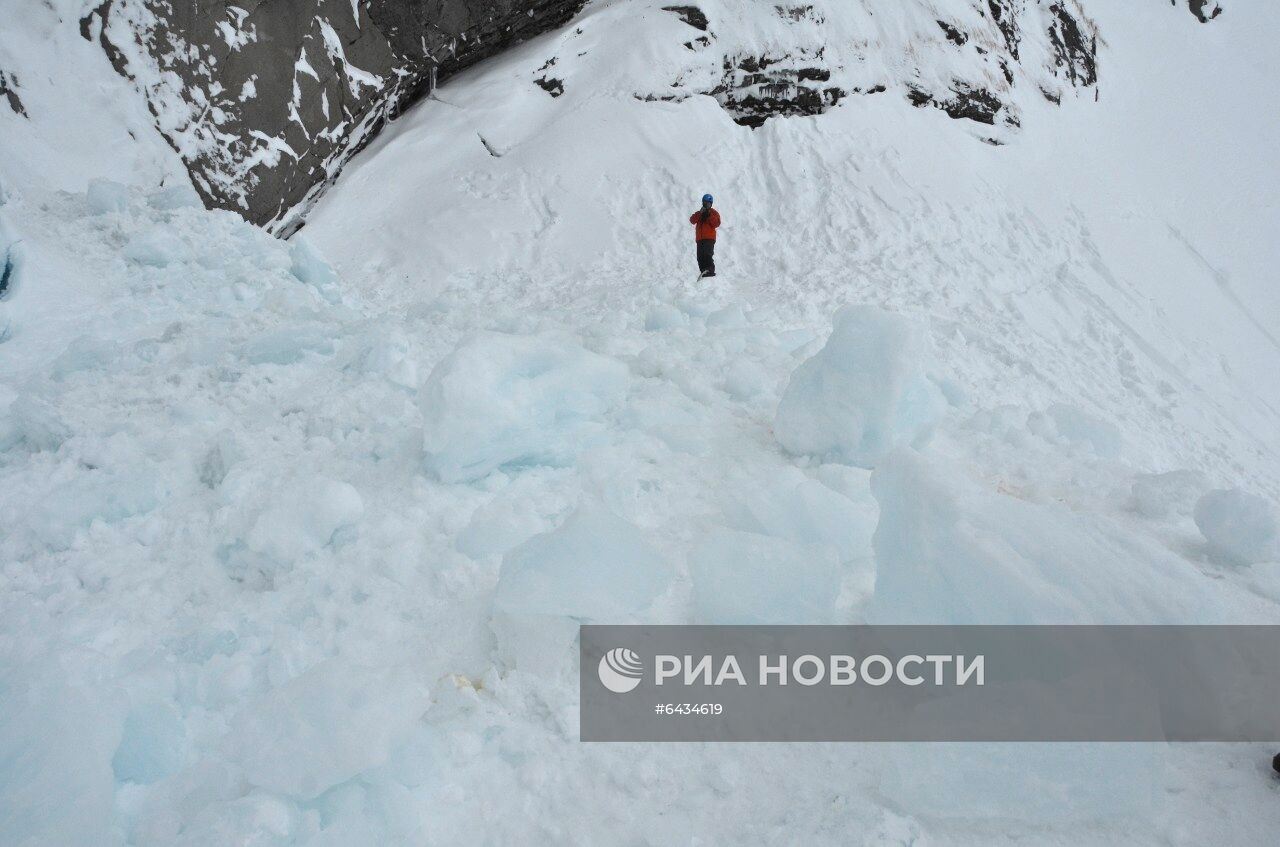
296 536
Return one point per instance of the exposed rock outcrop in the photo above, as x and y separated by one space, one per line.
1204 10
972 67
8 90
755 89
265 101
691 15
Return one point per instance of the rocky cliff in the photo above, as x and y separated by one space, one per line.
265 100
982 61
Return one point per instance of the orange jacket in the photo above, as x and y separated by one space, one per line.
706 230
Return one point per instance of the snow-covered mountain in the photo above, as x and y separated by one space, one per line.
297 533
265 105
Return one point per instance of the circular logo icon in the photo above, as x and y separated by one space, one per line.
620 670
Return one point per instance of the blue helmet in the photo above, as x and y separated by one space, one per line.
707 198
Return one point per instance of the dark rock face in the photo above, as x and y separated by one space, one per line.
1072 40
964 101
1076 51
265 100
8 270
954 35
548 83
985 52
1204 10
1003 13
754 89
691 15
8 89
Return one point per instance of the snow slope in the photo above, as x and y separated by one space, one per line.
295 550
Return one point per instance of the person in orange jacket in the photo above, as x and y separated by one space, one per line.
705 221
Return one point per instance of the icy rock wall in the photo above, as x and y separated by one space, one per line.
266 101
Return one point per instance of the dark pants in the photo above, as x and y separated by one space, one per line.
706 257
